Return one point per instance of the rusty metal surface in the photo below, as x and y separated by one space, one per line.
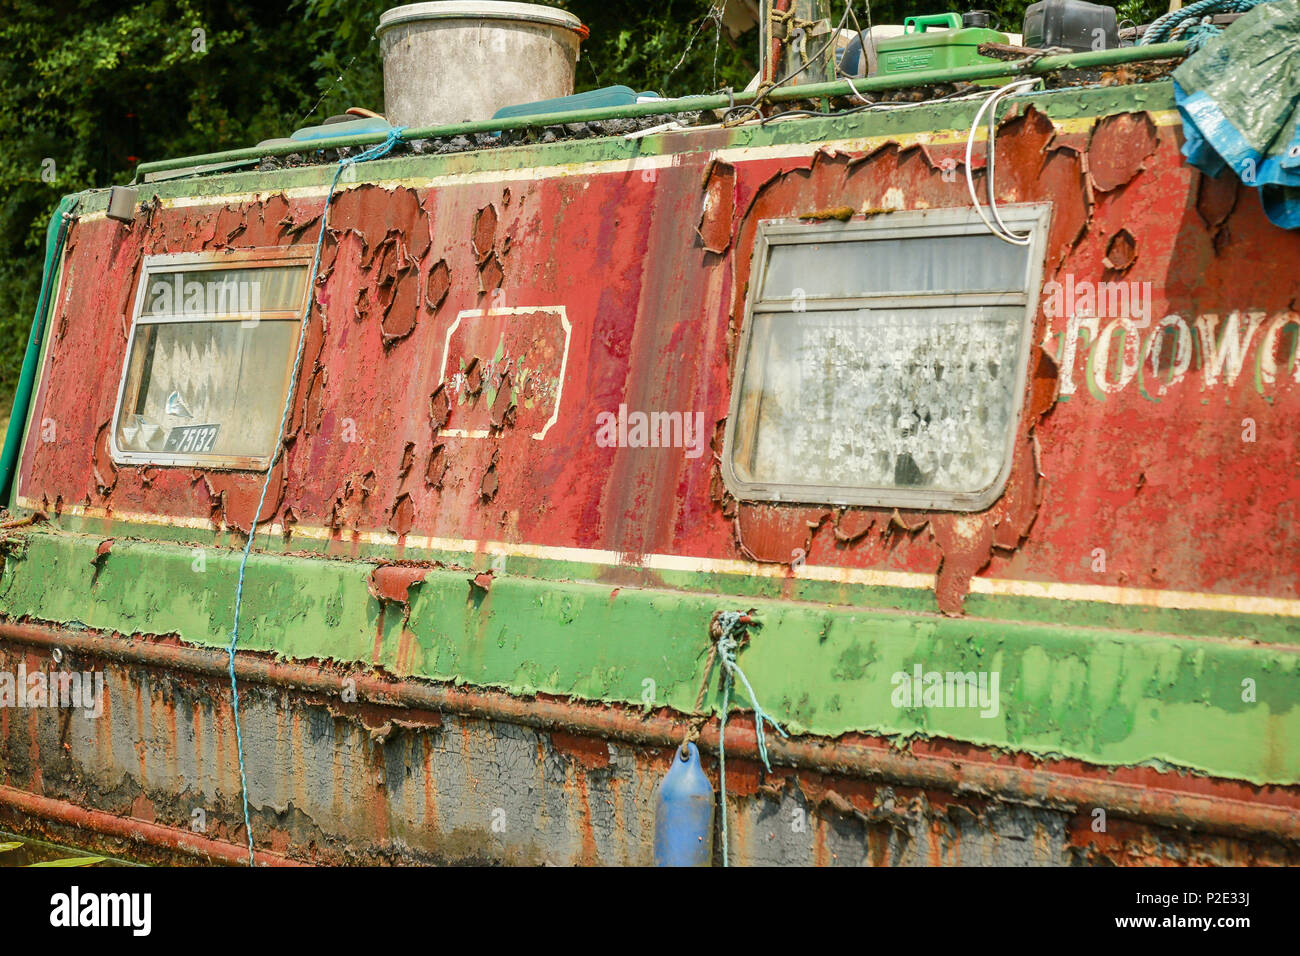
1141 795
487 778
139 838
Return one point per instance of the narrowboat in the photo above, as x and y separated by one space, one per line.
888 469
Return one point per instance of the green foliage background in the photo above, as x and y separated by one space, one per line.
96 86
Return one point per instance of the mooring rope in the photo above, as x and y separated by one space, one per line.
1192 23
728 630
374 152
766 86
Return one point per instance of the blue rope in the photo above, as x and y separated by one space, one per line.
374 152
729 623
1185 23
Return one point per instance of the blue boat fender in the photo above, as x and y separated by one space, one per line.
684 813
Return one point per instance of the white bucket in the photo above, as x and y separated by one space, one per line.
461 60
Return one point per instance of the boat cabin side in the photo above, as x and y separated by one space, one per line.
782 359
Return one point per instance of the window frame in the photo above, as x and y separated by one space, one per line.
903 224
204 262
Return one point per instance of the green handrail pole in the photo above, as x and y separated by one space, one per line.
1089 59
54 236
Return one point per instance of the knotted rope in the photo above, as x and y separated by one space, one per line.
374 152
1192 23
729 633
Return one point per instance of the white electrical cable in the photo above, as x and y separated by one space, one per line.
1000 229
991 148
670 127
861 98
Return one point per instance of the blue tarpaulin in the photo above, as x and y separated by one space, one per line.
1239 96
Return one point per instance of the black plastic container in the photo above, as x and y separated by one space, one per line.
1073 24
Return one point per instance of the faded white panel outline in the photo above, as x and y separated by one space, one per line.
519 310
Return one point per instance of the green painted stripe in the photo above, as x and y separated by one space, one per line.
1267 628
1105 697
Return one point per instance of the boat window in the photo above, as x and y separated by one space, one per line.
209 360
882 362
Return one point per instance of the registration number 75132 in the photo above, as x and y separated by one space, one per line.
192 438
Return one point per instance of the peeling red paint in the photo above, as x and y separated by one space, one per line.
485 233
490 483
852 524
776 534
1121 251
1119 149
1216 198
393 582
437 285
436 467
102 550
105 470
408 459
491 274
235 499
719 206
403 516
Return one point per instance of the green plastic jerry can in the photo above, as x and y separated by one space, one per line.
948 46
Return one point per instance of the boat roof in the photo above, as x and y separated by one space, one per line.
1123 72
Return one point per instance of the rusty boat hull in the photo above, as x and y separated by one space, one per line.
475 635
